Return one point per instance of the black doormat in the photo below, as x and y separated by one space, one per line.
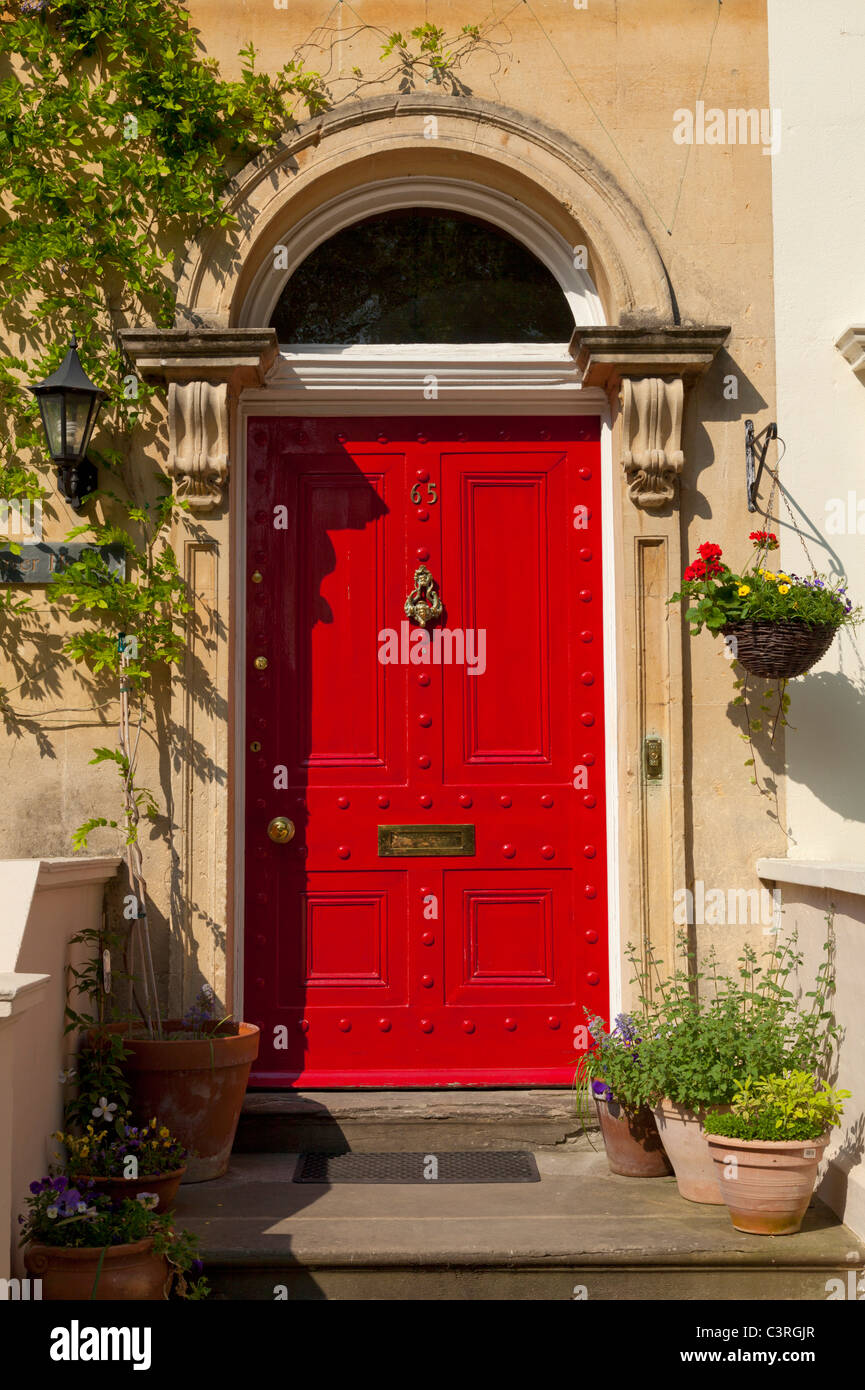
423 1169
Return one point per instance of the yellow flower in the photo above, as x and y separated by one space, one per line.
744 589
153 1123
784 577
163 1133
767 574
783 588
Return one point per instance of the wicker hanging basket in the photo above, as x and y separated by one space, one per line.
778 651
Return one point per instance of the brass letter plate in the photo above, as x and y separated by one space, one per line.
430 841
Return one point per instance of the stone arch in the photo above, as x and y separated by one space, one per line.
550 192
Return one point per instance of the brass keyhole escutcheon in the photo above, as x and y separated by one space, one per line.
281 830
260 663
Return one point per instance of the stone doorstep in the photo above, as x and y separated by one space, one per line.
580 1227
404 1121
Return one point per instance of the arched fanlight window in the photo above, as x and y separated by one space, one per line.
422 276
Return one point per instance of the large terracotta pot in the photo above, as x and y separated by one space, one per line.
127 1272
766 1183
195 1087
684 1139
631 1138
165 1186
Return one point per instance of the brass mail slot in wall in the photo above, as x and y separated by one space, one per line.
404 841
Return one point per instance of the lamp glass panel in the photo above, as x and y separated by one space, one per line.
51 408
78 410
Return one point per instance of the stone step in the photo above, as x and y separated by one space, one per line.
579 1233
405 1121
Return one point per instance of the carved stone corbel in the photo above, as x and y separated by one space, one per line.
198 442
202 367
652 437
650 370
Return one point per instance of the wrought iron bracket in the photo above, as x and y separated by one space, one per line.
752 445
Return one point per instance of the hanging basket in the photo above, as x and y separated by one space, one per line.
778 651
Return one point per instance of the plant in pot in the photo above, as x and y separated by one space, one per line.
190 1073
83 1245
775 625
193 1076
608 1076
703 1031
767 1148
126 1159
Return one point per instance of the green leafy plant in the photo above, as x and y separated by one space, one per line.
435 57
105 1153
788 1105
74 1217
701 1030
610 1069
98 1070
117 140
720 597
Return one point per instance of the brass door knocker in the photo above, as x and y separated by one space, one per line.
423 604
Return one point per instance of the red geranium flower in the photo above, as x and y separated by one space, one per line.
710 551
697 570
764 540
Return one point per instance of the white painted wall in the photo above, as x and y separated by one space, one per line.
44 903
816 67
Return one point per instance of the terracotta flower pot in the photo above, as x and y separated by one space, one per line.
165 1186
194 1086
127 1272
632 1142
684 1139
766 1183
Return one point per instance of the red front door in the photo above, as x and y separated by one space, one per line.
439 916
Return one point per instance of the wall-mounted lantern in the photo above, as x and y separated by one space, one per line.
69 403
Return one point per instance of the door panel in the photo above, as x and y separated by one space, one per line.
440 915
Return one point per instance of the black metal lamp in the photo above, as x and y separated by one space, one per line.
69 403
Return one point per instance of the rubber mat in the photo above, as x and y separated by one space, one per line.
479 1166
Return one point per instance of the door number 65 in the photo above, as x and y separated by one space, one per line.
431 494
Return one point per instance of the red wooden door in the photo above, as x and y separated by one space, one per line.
440 915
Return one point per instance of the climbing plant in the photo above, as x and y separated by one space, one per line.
117 138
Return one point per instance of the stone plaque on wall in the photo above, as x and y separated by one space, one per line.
37 564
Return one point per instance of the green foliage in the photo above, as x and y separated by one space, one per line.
117 139
770 598
99 1077
98 1073
720 599
69 1217
701 1031
437 57
613 1063
788 1105
105 1153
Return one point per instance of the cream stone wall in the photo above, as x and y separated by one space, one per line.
609 79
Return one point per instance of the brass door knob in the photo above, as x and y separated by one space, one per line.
281 830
